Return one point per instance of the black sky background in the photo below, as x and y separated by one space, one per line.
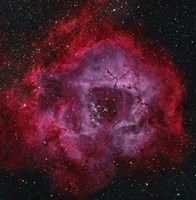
170 23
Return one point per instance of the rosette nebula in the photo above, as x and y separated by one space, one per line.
94 105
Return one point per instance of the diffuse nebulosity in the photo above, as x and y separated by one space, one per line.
92 100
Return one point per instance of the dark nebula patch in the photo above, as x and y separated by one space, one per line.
92 99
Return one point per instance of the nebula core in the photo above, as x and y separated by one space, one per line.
92 102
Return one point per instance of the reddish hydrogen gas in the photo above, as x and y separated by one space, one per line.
92 100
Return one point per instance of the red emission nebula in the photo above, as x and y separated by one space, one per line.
92 107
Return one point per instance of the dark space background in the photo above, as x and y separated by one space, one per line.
170 23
